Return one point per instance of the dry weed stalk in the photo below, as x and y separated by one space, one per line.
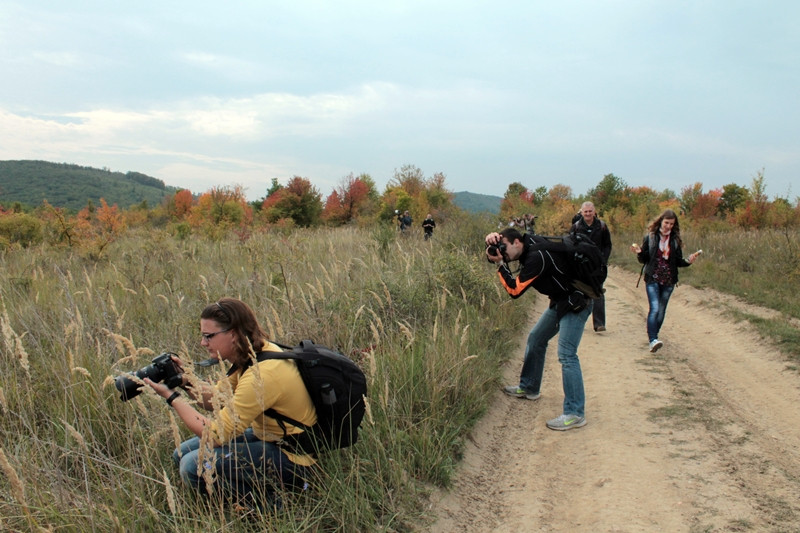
76 435
81 370
278 323
464 335
204 288
176 431
368 411
408 332
372 365
113 517
376 337
17 488
14 342
207 461
173 507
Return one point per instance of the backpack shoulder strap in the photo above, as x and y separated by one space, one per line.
288 353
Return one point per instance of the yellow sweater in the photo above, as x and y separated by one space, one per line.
272 383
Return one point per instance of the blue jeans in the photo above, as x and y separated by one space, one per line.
570 331
658 297
246 468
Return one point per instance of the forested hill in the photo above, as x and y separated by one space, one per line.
477 203
72 186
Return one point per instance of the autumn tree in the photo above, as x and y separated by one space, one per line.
220 210
608 194
59 226
410 179
96 228
298 200
352 198
410 190
516 202
754 212
733 197
706 205
19 229
689 196
180 205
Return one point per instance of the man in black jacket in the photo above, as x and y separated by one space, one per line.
566 316
597 230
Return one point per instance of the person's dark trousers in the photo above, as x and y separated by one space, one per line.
599 313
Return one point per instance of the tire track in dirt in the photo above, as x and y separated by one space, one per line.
702 436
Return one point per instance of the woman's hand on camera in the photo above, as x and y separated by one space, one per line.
161 389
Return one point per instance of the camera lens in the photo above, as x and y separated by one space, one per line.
161 369
131 389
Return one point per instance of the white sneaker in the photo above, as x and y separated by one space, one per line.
655 344
518 392
565 422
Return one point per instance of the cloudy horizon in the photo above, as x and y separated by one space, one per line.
198 95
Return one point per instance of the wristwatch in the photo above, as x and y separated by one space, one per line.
173 397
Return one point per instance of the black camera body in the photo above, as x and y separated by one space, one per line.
496 249
161 368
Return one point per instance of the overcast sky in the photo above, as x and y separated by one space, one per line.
202 94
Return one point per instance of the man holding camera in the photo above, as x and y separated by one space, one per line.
566 316
405 221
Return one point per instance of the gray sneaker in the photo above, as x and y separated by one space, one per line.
517 392
565 422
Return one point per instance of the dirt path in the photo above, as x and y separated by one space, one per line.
702 436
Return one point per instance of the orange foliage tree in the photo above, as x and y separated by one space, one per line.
350 199
96 228
180 205
221 209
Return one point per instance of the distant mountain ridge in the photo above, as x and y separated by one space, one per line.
477 203
72 186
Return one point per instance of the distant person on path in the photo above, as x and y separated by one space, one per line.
597 230
427 226
661 254
565 316
530 223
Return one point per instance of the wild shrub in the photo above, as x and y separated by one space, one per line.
21 229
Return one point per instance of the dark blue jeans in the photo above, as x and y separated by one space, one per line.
658 297
246 468
599 312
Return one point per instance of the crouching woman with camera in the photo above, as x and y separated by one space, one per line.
240 450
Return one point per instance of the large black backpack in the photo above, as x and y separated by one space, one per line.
337 387
585 265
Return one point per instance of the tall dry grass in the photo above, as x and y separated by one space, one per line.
425 320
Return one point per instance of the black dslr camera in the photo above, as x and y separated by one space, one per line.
162 368
496 249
